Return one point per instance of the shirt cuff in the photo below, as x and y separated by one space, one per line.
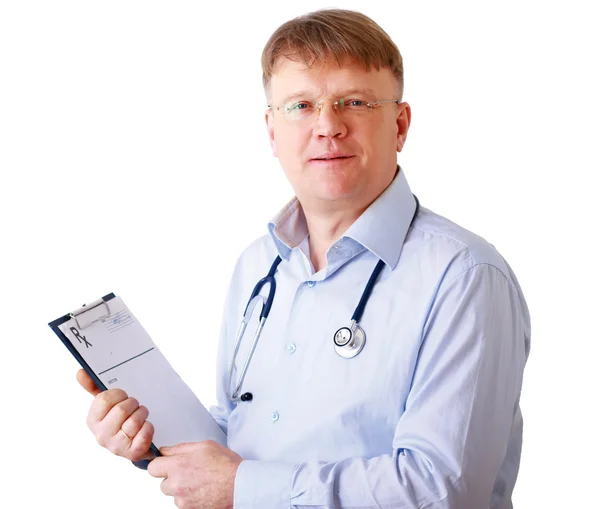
264 484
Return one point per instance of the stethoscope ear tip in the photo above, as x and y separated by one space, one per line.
247 396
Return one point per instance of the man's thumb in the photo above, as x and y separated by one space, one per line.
172 450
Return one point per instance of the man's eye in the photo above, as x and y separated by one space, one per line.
301 105
356 103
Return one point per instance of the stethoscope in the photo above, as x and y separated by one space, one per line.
347 341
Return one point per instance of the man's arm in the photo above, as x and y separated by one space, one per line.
454 434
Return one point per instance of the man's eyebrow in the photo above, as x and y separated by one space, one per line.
296 95
361 91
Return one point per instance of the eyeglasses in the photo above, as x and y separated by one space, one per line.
307 110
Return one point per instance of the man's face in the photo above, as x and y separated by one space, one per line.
360 148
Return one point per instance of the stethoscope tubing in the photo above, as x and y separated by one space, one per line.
360 309
269 278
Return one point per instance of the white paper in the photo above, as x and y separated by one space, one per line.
122 354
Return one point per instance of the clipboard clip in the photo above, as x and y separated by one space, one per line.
98 313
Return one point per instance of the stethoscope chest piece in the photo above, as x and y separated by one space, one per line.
349 341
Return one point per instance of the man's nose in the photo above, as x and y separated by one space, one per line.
330 121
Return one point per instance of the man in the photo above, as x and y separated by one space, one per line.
424 412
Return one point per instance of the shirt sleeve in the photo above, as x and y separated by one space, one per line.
454 434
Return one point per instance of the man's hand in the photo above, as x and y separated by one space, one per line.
118 422
198 475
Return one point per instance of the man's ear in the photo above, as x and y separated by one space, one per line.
403 123
271 131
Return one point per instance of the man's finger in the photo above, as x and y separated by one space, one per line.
172 450
167 488
87 383
119 414
103 403
159 467
135 422
140 445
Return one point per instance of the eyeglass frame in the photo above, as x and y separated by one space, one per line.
335 104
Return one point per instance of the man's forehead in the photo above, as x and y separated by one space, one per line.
285 66
292 77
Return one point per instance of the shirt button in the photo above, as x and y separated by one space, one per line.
275 416
291 348
310 284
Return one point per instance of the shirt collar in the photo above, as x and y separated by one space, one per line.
288 228
381 228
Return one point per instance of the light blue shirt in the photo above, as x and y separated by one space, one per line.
426 416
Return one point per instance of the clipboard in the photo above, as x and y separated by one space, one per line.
105 327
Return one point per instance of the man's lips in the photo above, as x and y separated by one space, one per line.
331 157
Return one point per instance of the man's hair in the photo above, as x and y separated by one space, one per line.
336 35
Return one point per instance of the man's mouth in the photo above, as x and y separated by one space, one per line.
331 158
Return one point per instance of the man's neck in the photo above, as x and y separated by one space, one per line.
324 229
327 222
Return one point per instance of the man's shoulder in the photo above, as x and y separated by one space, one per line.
444 239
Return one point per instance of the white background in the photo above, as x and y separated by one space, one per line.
134 159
